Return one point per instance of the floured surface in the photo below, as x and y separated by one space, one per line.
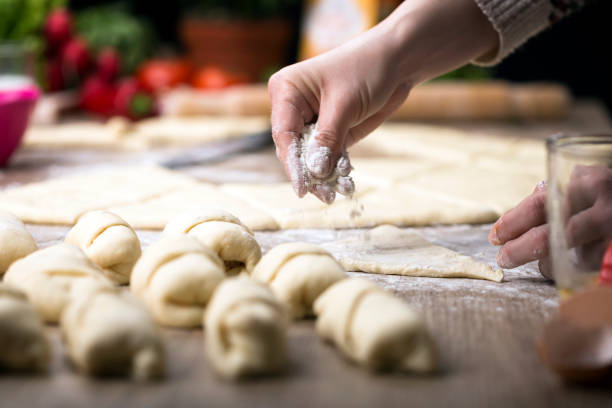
63 200
389 250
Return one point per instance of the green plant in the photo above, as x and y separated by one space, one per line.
240 8
113 26
22 20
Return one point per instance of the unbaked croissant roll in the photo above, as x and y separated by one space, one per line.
225 234
374 328
109 242
175 277
15 241
109 332
47 275
245 329
23 344
298 273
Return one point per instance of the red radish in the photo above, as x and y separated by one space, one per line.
132 101
55 75
97 96
76 56
108 64
58 28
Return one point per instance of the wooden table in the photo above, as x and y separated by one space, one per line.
485 332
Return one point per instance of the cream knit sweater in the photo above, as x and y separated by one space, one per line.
517 20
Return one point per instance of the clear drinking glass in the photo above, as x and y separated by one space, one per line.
579 207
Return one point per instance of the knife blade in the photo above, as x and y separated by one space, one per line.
219 151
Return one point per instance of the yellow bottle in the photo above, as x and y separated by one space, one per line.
329 23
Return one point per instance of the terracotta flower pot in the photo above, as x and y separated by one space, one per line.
250 47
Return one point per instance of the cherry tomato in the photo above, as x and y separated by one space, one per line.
159 75
216 78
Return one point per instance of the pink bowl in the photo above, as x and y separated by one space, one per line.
16 106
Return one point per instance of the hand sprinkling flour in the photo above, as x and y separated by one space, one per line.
318 178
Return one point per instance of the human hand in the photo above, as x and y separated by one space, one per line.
352 89
523 232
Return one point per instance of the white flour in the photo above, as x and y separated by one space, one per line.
312 159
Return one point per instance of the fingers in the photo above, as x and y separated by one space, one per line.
530 213
327 144
290 110
530 246
324 192
545 267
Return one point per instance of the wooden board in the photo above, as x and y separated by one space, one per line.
485 331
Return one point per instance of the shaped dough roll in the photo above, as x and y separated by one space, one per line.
374 328
47 275
109 242
15 241
175 277
23 344
298 273
225 234
245 330
109 332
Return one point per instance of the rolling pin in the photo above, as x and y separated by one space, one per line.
443 100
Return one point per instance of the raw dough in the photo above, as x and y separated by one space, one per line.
175 277
109 242
109 332
245 329
224 233
173 131
47 275
63 200
298 273
501 190
156 212
389 250
15 241
23 344
114 134
374 328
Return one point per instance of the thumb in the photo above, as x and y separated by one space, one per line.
327 141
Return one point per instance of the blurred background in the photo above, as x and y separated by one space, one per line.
118 57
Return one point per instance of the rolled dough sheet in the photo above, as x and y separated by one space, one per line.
113 134
399 204
168 130
501 190
451 145
156 212
63 200
383 172
389 250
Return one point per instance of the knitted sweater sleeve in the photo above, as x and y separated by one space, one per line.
517 20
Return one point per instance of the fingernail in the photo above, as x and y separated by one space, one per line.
345 186
502 260
541 186
344 166
493 237
326 193
320 161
